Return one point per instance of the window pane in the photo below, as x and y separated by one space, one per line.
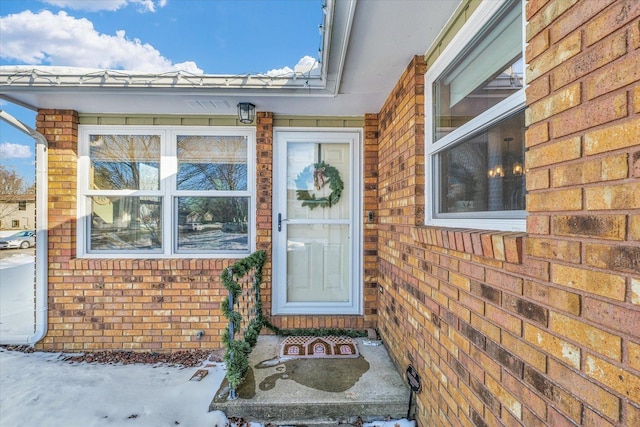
213 223
311 191
485 172
124 162
212 162
126 223
482 76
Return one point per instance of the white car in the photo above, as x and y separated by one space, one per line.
20 240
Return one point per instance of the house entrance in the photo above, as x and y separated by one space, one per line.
316 240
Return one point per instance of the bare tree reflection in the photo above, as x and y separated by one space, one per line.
125 162
212 163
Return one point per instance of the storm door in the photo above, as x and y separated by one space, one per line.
316 236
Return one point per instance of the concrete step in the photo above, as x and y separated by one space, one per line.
316 392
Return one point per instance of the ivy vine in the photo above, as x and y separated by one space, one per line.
236 356
237 351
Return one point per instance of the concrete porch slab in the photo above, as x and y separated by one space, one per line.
316 391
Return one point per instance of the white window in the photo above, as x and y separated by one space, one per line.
166 191
474 109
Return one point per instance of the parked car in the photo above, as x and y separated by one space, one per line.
195 226
20 240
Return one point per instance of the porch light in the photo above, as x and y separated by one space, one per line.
246 112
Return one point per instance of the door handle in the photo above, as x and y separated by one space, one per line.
280 221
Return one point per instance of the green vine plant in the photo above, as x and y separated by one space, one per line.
237 352
236 356
321 173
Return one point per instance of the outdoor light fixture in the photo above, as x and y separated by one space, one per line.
246 112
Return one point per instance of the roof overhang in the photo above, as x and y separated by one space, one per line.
366 46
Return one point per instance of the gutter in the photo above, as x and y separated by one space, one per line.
42 215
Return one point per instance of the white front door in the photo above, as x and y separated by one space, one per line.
316 236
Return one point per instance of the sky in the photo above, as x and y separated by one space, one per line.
195 36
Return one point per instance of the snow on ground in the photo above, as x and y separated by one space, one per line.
17 288
41 389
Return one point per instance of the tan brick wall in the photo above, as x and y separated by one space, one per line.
540 328
588 204
156 304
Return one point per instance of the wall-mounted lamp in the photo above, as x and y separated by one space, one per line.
246 112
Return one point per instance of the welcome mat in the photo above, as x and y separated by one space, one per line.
308 346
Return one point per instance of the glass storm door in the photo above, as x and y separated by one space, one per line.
316 240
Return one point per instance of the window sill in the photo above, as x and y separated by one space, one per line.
498 245
119 262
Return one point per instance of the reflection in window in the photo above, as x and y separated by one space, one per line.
126 223
475 135
484 75
161 191
485 172
213 223
212 162
125 162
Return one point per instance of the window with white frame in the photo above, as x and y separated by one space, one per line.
166 191
475 124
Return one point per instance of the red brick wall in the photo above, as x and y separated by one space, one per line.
370 284
540 328
156 304
122 304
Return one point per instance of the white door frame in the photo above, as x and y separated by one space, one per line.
279 277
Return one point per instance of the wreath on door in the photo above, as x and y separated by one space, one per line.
321 174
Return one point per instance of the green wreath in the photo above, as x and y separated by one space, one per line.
321 174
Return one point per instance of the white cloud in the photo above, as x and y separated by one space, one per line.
9 150
280 72
108 5
188 66
307 65
59 39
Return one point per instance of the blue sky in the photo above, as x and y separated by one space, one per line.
195 36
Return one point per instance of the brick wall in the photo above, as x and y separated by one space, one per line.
583 156
155 304
541 328
124 304
370 284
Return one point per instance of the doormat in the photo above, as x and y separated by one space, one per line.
315 347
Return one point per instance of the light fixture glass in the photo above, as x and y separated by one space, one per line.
517 169
246 112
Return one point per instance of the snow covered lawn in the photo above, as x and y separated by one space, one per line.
17 289
41 389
